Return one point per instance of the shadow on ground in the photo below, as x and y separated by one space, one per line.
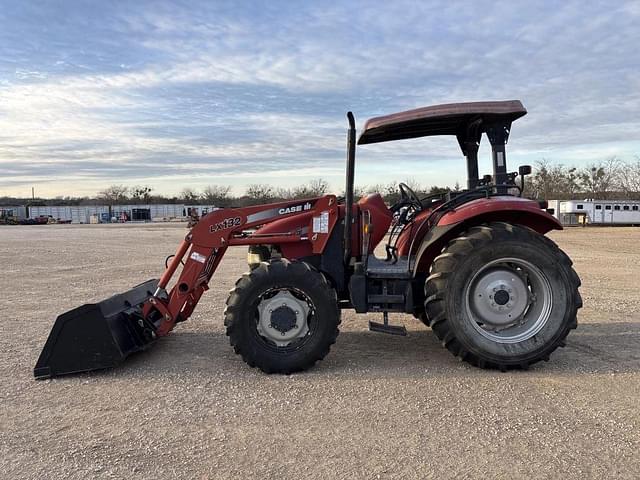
593 348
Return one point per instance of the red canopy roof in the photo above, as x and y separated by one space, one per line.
447 119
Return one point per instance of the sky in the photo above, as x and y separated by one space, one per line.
188 94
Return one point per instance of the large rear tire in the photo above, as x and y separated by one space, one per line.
282 317
502 296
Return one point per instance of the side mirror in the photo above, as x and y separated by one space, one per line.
524 170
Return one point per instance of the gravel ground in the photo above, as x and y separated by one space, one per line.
378 407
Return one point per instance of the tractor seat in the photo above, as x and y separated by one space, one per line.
374 199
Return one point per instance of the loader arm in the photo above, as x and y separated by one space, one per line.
102 335
205 245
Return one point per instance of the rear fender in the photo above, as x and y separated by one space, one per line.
513 210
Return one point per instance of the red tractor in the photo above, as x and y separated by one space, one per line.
473 265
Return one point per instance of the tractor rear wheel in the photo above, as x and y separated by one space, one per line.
282 317
502 296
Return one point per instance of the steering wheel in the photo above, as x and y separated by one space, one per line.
407 206
408 196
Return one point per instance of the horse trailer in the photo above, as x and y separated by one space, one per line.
600 212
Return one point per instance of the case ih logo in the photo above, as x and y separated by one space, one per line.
295 208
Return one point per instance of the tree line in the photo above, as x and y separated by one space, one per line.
217 195
610 179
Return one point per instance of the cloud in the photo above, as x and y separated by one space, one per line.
175 94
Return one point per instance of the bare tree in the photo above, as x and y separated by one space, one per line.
114 194
629 182
551 181
217 195
318 187
141 194
189 195
258 193
599 181
315 188
282 193
414 185
389 191
547 180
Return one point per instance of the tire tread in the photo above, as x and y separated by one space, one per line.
236 300
436 289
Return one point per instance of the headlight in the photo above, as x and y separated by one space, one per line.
253 258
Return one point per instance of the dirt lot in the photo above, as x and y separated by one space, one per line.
377 407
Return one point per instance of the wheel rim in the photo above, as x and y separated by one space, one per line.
508 300
283 317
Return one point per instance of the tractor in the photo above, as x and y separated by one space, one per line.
474 265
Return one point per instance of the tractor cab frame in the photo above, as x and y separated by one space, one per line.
395 283
467 122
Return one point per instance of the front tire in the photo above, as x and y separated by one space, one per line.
282 317
502 296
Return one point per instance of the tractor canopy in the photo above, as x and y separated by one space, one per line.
467 121
447 119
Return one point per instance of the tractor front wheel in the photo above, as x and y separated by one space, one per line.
282 317
502 296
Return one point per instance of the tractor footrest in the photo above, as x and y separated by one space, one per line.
377 268
386 328
385 298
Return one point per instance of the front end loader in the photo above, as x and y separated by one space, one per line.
473 265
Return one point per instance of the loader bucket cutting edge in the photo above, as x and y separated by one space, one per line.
99 335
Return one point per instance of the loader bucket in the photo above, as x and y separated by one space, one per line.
98 335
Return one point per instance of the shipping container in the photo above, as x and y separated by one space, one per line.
141 214
160 211
76 214
17 212
82 214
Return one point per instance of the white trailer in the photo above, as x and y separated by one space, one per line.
555 206
601 212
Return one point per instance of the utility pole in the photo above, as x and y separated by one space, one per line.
33 193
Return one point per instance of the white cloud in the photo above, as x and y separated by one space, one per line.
210 92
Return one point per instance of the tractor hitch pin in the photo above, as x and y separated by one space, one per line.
160 292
